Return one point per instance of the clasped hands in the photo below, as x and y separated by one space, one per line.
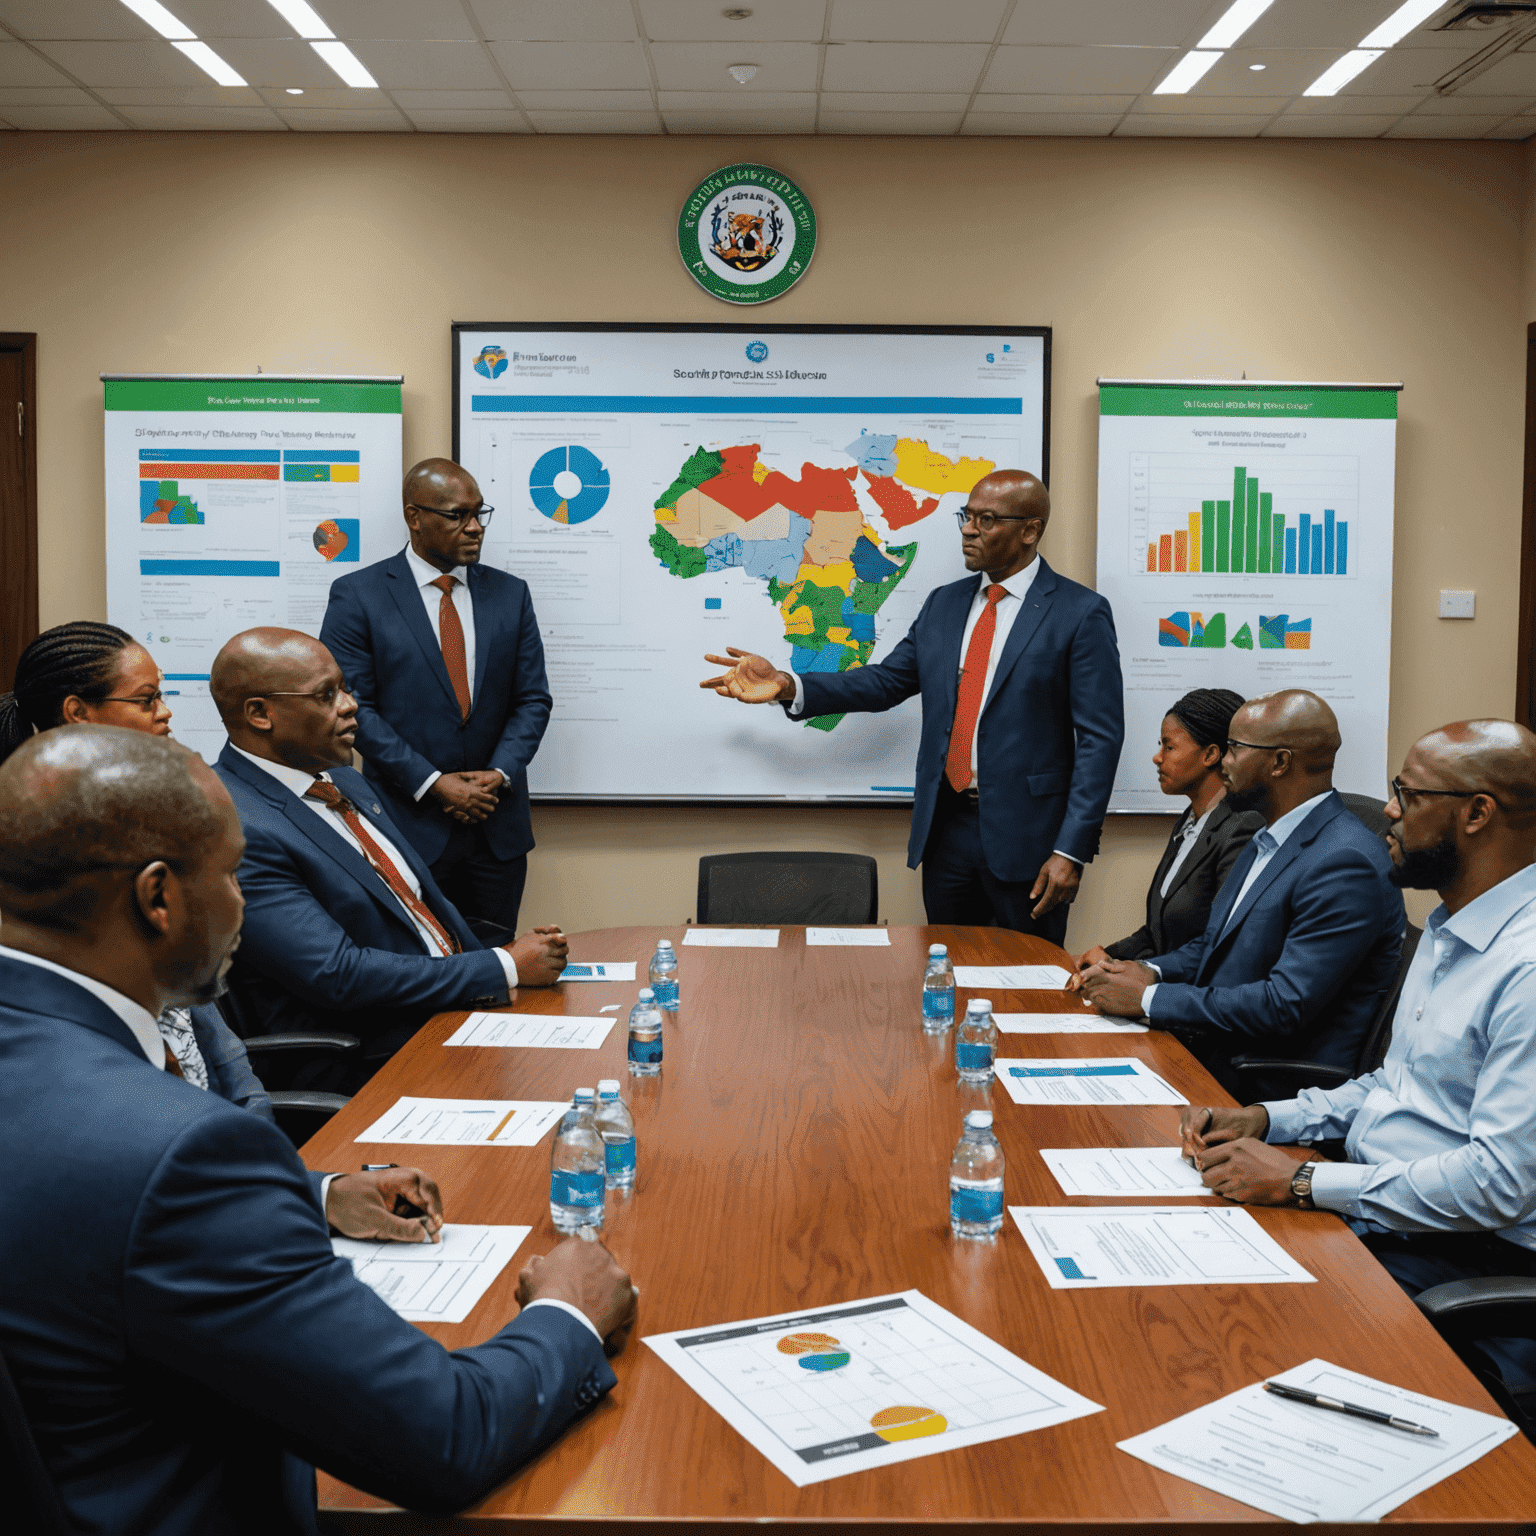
1111 986
1227 1148
468 796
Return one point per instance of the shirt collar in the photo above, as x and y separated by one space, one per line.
296 779
1017 584
426 573
1480 922
140 1021
1288 823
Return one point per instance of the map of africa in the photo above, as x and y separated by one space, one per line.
824 566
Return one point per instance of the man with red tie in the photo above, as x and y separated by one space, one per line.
1023 718
448 665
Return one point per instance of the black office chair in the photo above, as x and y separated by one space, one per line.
1369 810
834 889
22 1470
1464 1311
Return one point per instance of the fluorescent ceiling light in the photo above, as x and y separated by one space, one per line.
1239 16
209 62
1400 23
1186 73
300 15
1338 75
346 64
161 20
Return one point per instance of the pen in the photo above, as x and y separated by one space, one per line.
378 1167
1354 1410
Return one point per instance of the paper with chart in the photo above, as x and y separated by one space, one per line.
859 938
1012 978
1304 1463
465 1122
542 1032
1121 1171
434 1282
1084 1080
844 1388
598 970
731 938
1086 1247
1084 1023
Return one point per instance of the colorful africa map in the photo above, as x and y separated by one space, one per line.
824 565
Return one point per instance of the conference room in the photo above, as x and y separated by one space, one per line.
1011 475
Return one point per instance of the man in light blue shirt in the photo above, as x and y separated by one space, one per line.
1440 1181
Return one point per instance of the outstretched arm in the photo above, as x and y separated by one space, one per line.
749 678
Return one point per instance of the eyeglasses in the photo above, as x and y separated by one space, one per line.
1400 792
458 516
325 696
145 701
1257 746
986 521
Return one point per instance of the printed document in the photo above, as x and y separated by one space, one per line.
599 970
863 938
1085 1022
434 1282
465 1122
547 1032
1012 978
1121 1171
732 938
1304 1463
1085 1080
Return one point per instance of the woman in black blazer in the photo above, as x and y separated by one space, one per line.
1209 834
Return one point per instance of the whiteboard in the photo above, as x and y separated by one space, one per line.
668 490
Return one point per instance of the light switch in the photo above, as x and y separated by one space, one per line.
1458 605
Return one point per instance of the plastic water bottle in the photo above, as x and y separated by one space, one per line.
616 1126
976 1180
938 991
645 1021
576 1168
976 1042
664 976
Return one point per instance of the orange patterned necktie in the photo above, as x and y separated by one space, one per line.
450 634
968 701
172 1065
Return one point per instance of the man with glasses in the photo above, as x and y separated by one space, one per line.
452 697
345 927
1023 718
1304 935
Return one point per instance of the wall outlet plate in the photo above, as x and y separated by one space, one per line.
1458 605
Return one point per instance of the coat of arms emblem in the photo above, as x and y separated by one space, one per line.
747 234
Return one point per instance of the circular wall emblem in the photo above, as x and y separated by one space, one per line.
757 351
747 233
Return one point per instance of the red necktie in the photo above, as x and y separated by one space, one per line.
450 635
968 701
327 794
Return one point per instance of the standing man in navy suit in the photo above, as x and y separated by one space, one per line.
445 658
1022 718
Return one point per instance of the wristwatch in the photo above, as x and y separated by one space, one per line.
1301 1185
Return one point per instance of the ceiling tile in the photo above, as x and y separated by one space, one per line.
60 119
98 19
316 97
442 20
1466 105
1336 24
1148 125
155 63
556 21
204 119
1516 128
1076 70
596 122
1067 124
42 96
1026 102
230 18
429 121
1345 105
480 101
573 66
1443 127
1400 72
1286 72
876 123
209 95
1195 105
701 21
702 66
1513 76
741 122
903 66
917 21
1165 23
580 101
277 62
895 101
20 66
735 101
1306 126
338 119
442 65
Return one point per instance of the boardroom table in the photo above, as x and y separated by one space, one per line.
794 1153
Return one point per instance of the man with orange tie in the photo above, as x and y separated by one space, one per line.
448 667
1022 718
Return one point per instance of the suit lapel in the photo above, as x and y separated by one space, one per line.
1161 872
1036 604
1198 854
401 581
484 612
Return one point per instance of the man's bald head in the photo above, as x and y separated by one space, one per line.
1296 719
1495 756
1018 493
261 661
435 483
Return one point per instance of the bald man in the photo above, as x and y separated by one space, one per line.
446 661
1305 933
345 927
1023 719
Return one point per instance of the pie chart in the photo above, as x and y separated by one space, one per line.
569 485
908 1423
815 1351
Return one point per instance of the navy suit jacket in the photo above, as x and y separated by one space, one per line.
408 720
324 942
1301 971
1051 728
185 1344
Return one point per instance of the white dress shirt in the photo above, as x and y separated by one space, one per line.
1187 834
432 601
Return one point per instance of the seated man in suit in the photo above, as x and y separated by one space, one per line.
185 1344
1305 934
344 927
1440 1181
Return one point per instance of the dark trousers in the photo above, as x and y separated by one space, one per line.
959 888
484 888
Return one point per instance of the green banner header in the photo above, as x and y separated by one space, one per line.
1245 400
261 393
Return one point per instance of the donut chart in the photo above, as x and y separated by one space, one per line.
569 485
815 1351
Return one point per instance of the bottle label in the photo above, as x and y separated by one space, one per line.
665 993
572 1188
972 1058
975 1204
938 1005
620 1157
646 1052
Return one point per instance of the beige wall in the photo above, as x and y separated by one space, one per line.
1281 259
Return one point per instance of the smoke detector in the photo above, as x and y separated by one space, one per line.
742 73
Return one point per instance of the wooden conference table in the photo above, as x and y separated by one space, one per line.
795 1152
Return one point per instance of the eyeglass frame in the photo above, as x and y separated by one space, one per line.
145 701
1398 787
317 694
1259 746
964 515
482 514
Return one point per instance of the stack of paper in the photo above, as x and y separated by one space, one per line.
867 938
1087 1080
561 1032
1121 1171
465 1122
1011 978
434 1282
599 970
1084 1023
731 938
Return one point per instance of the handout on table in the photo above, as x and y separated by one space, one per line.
864 938
1012 978
1304 1463
731 938
1084 1023
1084 1080
598 970
434 1282
1121 1171
1084 1247
546 1031
465 1122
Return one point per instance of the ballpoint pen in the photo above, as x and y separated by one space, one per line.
1354 1410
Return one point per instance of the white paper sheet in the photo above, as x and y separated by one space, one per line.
1012 978
864 1384
434 1282
599 970
1085 1023
1086 1247
465 1122
1084 1080
566 1032
861 938
731 938
1122 1171
1304 1463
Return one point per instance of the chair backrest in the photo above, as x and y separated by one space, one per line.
836 889
1373 1049
22 1470
1369 809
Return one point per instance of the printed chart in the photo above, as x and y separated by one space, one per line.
1084 1080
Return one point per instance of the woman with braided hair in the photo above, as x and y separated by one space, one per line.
78 673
